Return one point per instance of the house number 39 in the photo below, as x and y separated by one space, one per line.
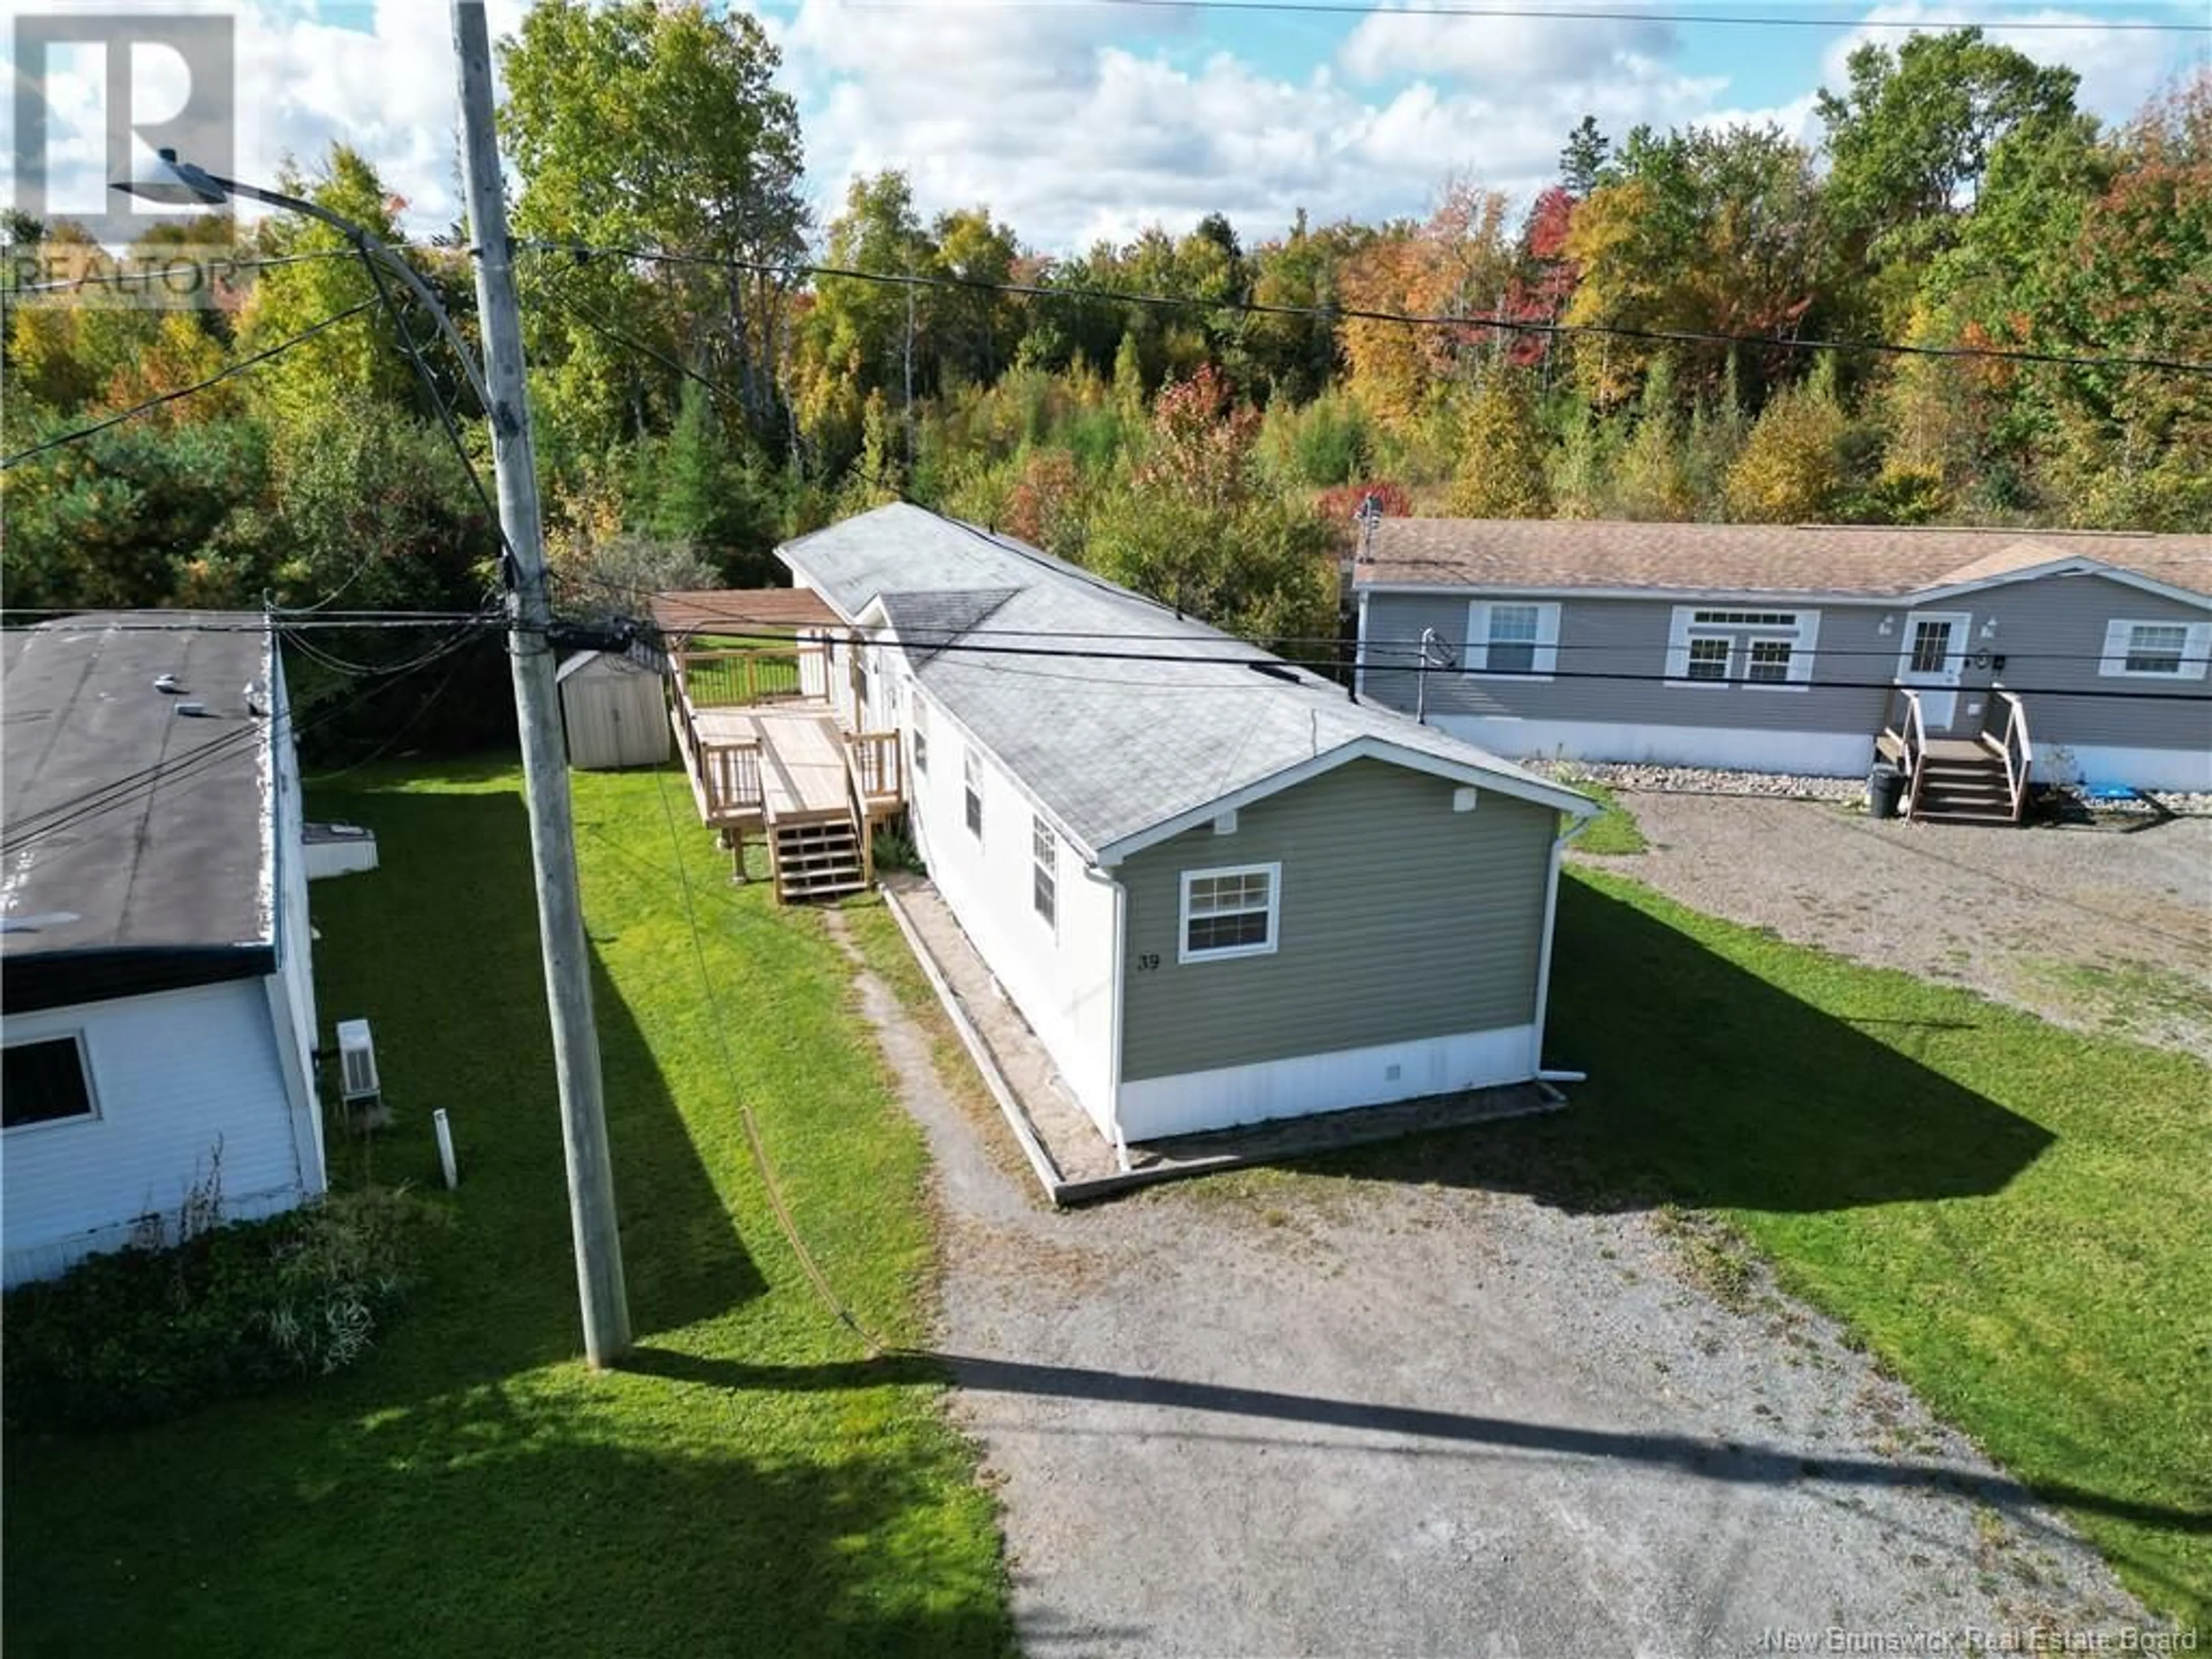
1148 961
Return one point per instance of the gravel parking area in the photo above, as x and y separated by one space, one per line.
2098 929
1277 1413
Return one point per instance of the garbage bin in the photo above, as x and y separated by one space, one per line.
1885 788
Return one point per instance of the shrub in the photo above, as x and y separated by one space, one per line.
161 1328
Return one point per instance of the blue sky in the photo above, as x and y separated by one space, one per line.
1075 121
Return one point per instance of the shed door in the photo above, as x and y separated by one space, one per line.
1932 662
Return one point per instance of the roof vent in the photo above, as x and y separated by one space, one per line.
166 684
192 710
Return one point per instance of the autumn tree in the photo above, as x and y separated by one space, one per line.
1503 451
1791 468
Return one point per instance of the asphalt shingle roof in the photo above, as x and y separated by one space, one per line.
1878 562
1169 717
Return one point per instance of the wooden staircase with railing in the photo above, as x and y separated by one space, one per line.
1978 779
766 755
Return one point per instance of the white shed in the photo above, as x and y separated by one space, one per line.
613 709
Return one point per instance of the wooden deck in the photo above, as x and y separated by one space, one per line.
803 773
767 755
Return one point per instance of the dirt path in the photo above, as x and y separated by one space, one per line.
2103 931
1275 1414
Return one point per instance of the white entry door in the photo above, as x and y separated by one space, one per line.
1934 657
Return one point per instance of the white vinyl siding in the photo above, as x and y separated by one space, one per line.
1759 650
972 788
1232 912
919 728
1520 637
2155 650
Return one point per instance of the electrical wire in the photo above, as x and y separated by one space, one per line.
720 1027
237 367
60 816
1336 314
1588 14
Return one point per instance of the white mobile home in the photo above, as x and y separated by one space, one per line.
1221 890
154 976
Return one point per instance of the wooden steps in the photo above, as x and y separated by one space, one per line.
1963 783
815 857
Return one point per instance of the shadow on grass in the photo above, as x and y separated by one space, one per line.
448 972
1688 1454
1711 1089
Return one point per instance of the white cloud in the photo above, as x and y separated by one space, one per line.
1503 51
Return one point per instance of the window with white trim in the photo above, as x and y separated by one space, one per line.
2155 650
1768 650
1520 637
920 728
973 773
1230 912
45 1081
1044 862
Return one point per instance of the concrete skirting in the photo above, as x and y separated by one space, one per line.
1071 1160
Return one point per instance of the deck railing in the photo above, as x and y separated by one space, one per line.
877 765
735 679
731 772
1905 726
2013 742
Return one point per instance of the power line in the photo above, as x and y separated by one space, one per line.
237 367
933 640
1336 314
1592 14
58 815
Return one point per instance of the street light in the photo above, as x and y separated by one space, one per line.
501 388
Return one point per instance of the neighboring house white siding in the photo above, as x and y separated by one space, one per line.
1060 975
173 1075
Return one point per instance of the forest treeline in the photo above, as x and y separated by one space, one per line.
700 394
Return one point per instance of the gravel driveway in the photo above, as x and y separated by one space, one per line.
1287 1413
2098 929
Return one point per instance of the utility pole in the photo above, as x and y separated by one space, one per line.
544 767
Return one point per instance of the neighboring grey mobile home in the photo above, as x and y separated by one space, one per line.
1219 889
154 973
1786 648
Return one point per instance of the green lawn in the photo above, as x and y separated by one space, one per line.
2012 1216
1614 833
471 1488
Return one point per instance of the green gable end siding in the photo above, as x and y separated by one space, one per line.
1399 920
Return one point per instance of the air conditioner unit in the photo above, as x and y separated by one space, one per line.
357 1061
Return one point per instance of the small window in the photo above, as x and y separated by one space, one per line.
1513 638
1769 662
921 737
2159 650
973 772
1229 913
1044 854
2156 648
1708 659
44 1082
